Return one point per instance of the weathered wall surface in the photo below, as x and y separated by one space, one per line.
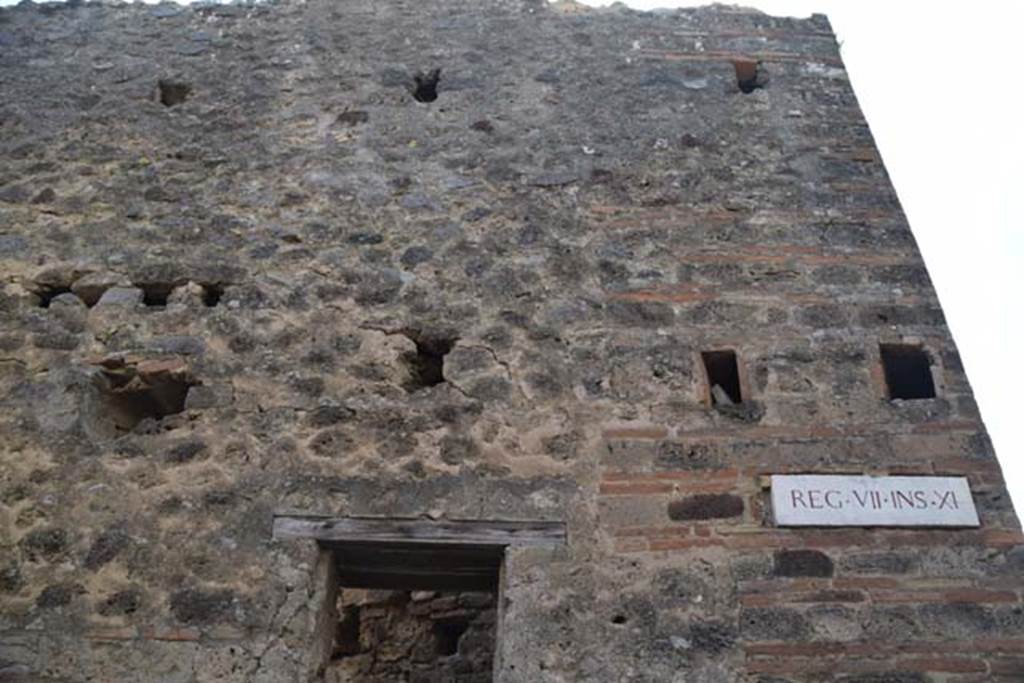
589 203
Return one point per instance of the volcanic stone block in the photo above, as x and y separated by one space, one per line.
706 506
793 563
121 296
197 606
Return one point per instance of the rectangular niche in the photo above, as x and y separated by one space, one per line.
908 371
412 600
723 375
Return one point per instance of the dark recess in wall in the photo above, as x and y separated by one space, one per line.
155 293
172 93
447 633
212 294
50 293
128 398
908 372
426 85
723 373
426 364
750 75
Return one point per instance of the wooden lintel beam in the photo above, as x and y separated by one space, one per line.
487 533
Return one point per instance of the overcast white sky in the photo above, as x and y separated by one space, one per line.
940 83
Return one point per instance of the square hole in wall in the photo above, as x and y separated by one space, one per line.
723 376
908 371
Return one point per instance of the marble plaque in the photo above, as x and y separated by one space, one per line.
841 500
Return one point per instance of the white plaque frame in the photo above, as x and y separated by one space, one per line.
857 501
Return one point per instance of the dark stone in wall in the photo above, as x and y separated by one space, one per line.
745 411
185 451
45 543
679 456
958 620
891 623
706 506
106 547
457 449
644 314
197 606
773 623
795 563
823 316
678 587
838 275
11 578
712 637
879 563
120 603
912 275
58 595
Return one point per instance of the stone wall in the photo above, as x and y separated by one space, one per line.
255 261
419 636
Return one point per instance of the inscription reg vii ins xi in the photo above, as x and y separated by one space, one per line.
841 500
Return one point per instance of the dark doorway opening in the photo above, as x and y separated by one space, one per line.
411 599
